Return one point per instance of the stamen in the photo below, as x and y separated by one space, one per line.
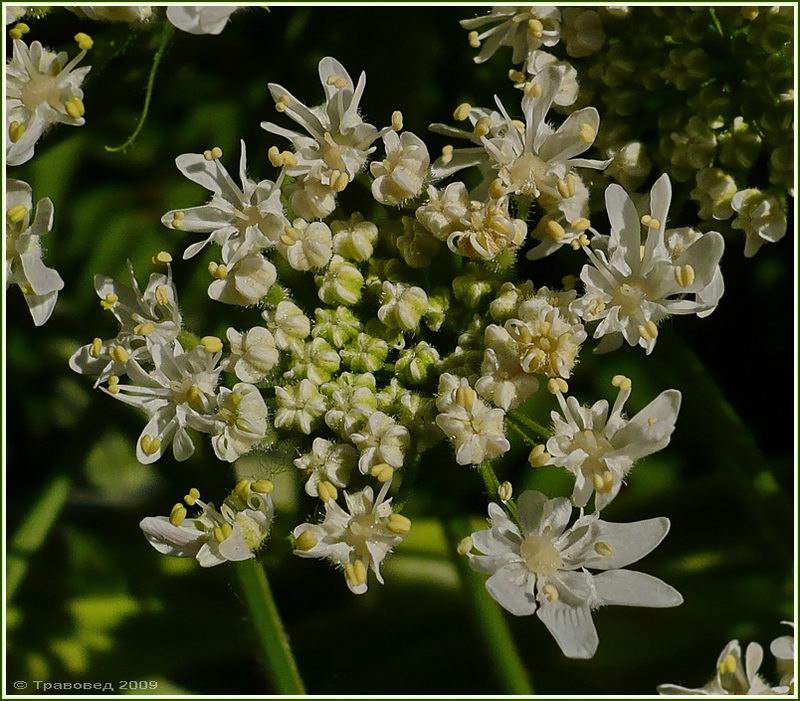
447 154
192 497
96 348
464 545
497 189
557 385
177 515
382 472
684 275
17 213
482 127
603 549
516 76
621 382
119 354
75 108
532 89
539 457
397 523
262 486
462 111
242 489
144 329
326 491
535 28
162 257
15 131
473 40
587 133
150 444
211 344
397 120
84 41
648 331
162 295
505 491
305 541
550 593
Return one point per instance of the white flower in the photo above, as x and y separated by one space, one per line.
200 19
762 218
352 400
601 448
114 13
327 462
487 231
630 164
240 421
311 199
231 534
381 441
474 429
536 63
306 246
734 676
530 158
245 283
180 386
341 283
539 565
402 306
14 13
503 380
523 28
783 650
355 540
632 286
24 265
146 318
338 141
318 361
582 32
242 220
354 238
253 354
299 406
402 173
444 210
42 89
289 326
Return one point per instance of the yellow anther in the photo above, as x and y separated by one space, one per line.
162 257
466 397
17 213
539 457
569 282
275 156
399 524
447 154
207 155
497 189
532 89
516 76
15 131
519 125
462 111
464 545
216 153
150 444
75 108
505 491
621 382
554 230
652 421
192 497
25 288
177 515
580 242
242 489
194 397
119 354
96 348
219 534
18 30
535 28
473 40
289 159
211 344
163 295
218 271
556 385
24 28
728 665
586 133
113 387
482 127
603 481
684 275
144 329
262 486
382 472
339 181
550 593
355 573
397 120
305 541
326 491
650 222
235 398
282 103
337 81
563 189
603 549
581 224
177 220
84 41
749 13
648 331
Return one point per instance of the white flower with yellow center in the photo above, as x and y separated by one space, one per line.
42 88
445 209
503 381
539 564
356 540
253 354
536 63
232 534
306 246
401 175
146 317
487 231
633 285
300 406
338 142
200 19
244 283
327 462
238 424
289 326
25 268
599 448
523 28
474 429
181 385
382 441
402 306
735 676
241 219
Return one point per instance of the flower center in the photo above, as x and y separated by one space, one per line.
595 445
41 88
526 174
630 295
360 531
540 555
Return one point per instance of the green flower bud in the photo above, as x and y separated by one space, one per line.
318 362
365 353
416 245
402 306
714 191
418 364
337 326
438 304
739 145
354 238
389 397
341 283
472 287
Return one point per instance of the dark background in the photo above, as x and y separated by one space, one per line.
97 604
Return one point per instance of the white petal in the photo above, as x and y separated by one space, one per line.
629 542
629 588
572 627
513 587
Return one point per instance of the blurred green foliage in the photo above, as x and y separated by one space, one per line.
97 604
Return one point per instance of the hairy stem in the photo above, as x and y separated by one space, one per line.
274 643
529 423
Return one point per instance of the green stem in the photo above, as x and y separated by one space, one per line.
537 428
32 532
492 483
525 437
489 619
166 34
272 638
409 478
